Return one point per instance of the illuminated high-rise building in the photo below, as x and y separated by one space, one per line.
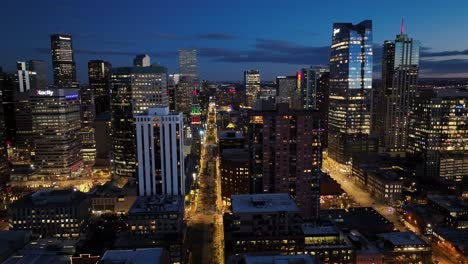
63 61
99 82
88 116
400 67
4 170
349 115
159 136
31 75
133 91
314 90
188 62
438 134
252 86
56 129
142 60
286 154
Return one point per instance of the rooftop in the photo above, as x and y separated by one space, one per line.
46 198
263 203
136 256
403 239
450 203
235 154
50 251
312 229
292 259
158 204
229 134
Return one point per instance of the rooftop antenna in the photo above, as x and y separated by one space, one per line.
402 27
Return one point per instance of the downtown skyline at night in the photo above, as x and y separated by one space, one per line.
274 37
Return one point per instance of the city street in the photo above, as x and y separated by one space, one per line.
205 225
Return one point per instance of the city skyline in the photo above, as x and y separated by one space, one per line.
275 47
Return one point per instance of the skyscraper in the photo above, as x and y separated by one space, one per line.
39 67
314 90
286 154
98 75
252 86
133 91
159 137
438 134
4 171
400 67
88 116
142 60
188 62
287 90
349 113
28 78
56 128
63 61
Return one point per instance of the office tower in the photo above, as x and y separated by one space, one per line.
39 67
159 137
195 124
63 62
349 113
188 63
98 76
24 143
88 115
438 133
183 94
314 90
400 67
252 86
102 127
142 60
286 154
133 91
287 90
51 213
56 129
4 170
9 86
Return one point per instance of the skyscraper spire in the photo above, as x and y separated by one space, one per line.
402 27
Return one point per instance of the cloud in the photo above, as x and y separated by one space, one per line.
282 46
204 36
160 54
444 53
444 66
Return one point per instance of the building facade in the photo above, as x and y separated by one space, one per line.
235 176
133 91
400 67
252 86
286 154
438 134
88 115
142 60
99 82
4 168
349 116
56 130
188 63
63 62
160 154
51 213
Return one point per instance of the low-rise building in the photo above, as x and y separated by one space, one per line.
155 221
277 259
110 198
454 209
384 185
404 248
328 244
454 240
230 139
135 256
46 250
262 223
50 213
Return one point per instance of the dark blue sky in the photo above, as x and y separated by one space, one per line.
277 37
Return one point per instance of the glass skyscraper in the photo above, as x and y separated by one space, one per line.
400 67
350 90
62 61
252 86
98 74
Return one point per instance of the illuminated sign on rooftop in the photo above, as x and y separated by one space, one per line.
336 31
45 92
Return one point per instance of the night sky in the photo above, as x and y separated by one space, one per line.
276 37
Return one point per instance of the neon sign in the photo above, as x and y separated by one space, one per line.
71 96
